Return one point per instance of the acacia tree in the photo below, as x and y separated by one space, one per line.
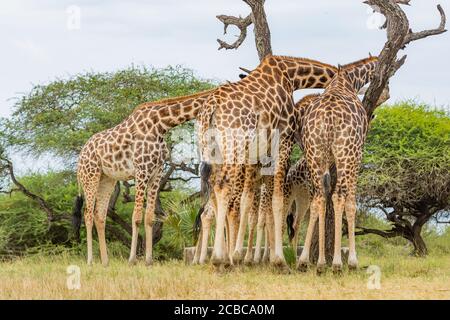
399 35
406 172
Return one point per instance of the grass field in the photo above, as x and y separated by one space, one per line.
402 277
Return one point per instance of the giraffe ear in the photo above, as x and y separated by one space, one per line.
339 67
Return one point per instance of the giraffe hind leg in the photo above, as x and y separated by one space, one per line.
90 188
105 189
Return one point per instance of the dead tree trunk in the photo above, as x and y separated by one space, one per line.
261 28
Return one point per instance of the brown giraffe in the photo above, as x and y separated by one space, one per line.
295 189
333 130
263 100
135 148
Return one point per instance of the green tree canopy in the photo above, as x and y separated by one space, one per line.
59 117
406 168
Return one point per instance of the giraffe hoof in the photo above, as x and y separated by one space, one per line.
337 268
280 264
321 268
302 266
248 261
353 267
237 257
217 261
132 261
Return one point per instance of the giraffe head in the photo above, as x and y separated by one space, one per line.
359 72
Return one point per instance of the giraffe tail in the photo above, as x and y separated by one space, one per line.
205 174
326 182
290 226
198 224
76 212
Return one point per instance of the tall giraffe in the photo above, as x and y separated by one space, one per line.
262 100
135 148
333 131
295 189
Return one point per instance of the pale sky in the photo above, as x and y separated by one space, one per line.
38 46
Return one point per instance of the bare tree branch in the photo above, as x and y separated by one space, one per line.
20 187
398 36
241 23
261 28
413 36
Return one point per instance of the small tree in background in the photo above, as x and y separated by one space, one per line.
406 173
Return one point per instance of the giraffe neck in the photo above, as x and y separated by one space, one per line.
360 72
300 73
169 113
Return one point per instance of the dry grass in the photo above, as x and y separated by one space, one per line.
45 278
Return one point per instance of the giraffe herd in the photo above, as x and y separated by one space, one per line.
246 131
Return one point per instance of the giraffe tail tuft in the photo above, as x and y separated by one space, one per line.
197 224
290 226
76 216
205 174
326 182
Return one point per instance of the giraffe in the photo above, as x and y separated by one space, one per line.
295 189
333 131
262 100
135 148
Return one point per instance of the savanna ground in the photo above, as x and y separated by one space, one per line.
402 277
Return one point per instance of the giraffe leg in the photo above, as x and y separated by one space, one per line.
152 193
245 207
233 224
206 227
321 262
338 204
266 207
222 195
90 191
350 212
252 221
88 220
141 183
198 248
278 214
260 228
105 189
313 215
301 207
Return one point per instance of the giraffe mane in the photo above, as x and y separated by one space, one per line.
305 60
151 104
358 63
